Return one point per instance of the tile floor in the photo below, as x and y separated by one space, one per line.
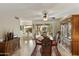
64 51
27 48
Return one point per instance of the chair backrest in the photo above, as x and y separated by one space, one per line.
46 42
46 47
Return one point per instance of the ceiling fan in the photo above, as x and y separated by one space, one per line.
45 15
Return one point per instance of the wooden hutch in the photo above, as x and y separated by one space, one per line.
75 34
9 46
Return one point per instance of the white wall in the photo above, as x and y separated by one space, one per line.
25 22
9 24
57 26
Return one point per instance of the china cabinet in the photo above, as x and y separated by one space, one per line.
70 34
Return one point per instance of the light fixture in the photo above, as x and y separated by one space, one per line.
45 18
16 17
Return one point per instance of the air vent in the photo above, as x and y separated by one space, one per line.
16 17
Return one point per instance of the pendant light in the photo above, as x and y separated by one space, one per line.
45 18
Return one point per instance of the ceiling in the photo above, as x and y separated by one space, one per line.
33 11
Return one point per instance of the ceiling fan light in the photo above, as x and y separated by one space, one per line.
45 19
